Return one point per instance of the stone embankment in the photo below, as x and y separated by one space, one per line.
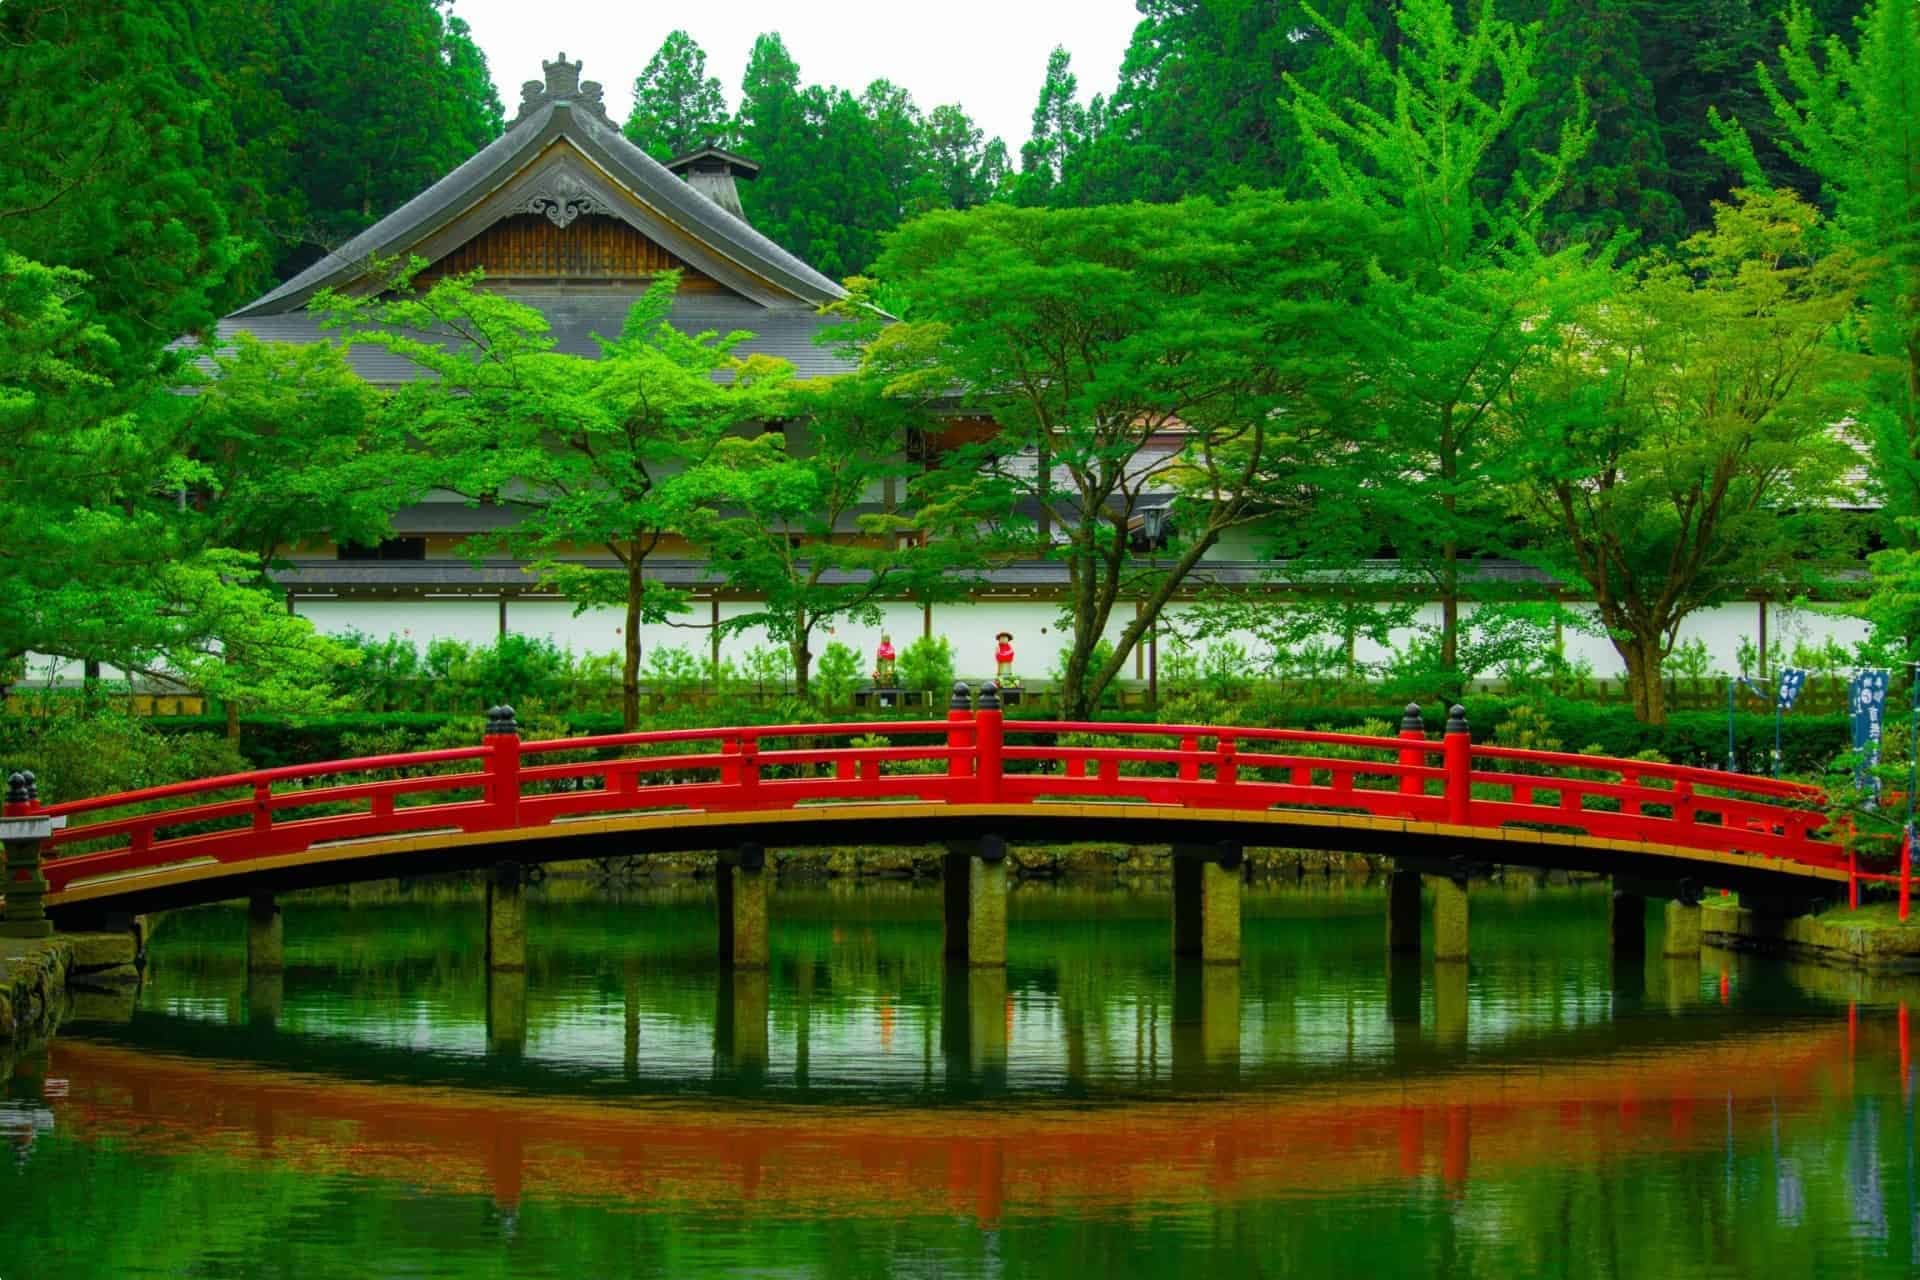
41 978
1871 938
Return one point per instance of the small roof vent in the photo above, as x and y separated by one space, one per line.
714 174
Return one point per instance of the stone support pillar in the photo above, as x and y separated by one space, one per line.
740 1025
1403 911
1450 942
1450 1005
1206 1023
266 935
1683 930
974 894
1206 902
507 1012
741 884
973 1028
506 918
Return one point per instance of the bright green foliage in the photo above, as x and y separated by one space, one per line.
347 109
927 665
1851 115
1688 441
1462 298
677 106
592 454
286 446
1590 61
113 164
839 170
818 522
1061 127
1125 351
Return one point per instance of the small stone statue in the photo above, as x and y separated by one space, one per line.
1003 659
883 659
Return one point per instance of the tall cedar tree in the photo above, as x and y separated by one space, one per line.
1124 351
677 106
588 452
1463 299
1689 442
1851 115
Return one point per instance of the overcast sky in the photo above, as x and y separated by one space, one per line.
987 55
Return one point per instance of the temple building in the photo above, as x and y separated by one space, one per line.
563 213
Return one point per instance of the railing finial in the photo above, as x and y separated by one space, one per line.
18 789
1457 719
990 696
962 697
501 722
33 787
1413 721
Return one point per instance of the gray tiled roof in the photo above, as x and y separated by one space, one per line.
576 317
600 142
408 577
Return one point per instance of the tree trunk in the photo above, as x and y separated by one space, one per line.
1643 678
802 663
630 668
233 720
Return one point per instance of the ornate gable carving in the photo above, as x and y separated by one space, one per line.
562 196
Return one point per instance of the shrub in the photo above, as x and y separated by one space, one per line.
73 757
927 664
839 671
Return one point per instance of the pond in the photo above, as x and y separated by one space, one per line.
628 1107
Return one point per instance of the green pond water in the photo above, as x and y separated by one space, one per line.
629 1108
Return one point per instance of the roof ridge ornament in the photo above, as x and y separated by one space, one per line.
562 84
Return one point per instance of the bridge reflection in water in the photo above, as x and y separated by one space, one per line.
846 1081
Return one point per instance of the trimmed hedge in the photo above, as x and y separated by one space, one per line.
1689 737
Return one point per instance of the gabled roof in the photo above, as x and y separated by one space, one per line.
563 157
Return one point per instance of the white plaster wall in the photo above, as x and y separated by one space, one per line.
599 630
421 621
1785 626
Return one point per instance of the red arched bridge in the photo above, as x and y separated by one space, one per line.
1439 803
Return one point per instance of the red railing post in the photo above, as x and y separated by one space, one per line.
1413 728
749 762
1227 772
1458 748
1906 872
262 808
503 766
960 735
1189 769
990 737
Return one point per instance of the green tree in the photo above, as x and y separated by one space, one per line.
1133 357
1060 129
964 169
1851 116
1463 299
677 106
787 518
589 453
114 166
1688 442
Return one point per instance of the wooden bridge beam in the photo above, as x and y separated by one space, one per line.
1206 901
974 898
741 897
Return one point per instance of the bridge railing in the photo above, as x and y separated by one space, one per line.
971 757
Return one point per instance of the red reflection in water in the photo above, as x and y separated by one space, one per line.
974 1161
